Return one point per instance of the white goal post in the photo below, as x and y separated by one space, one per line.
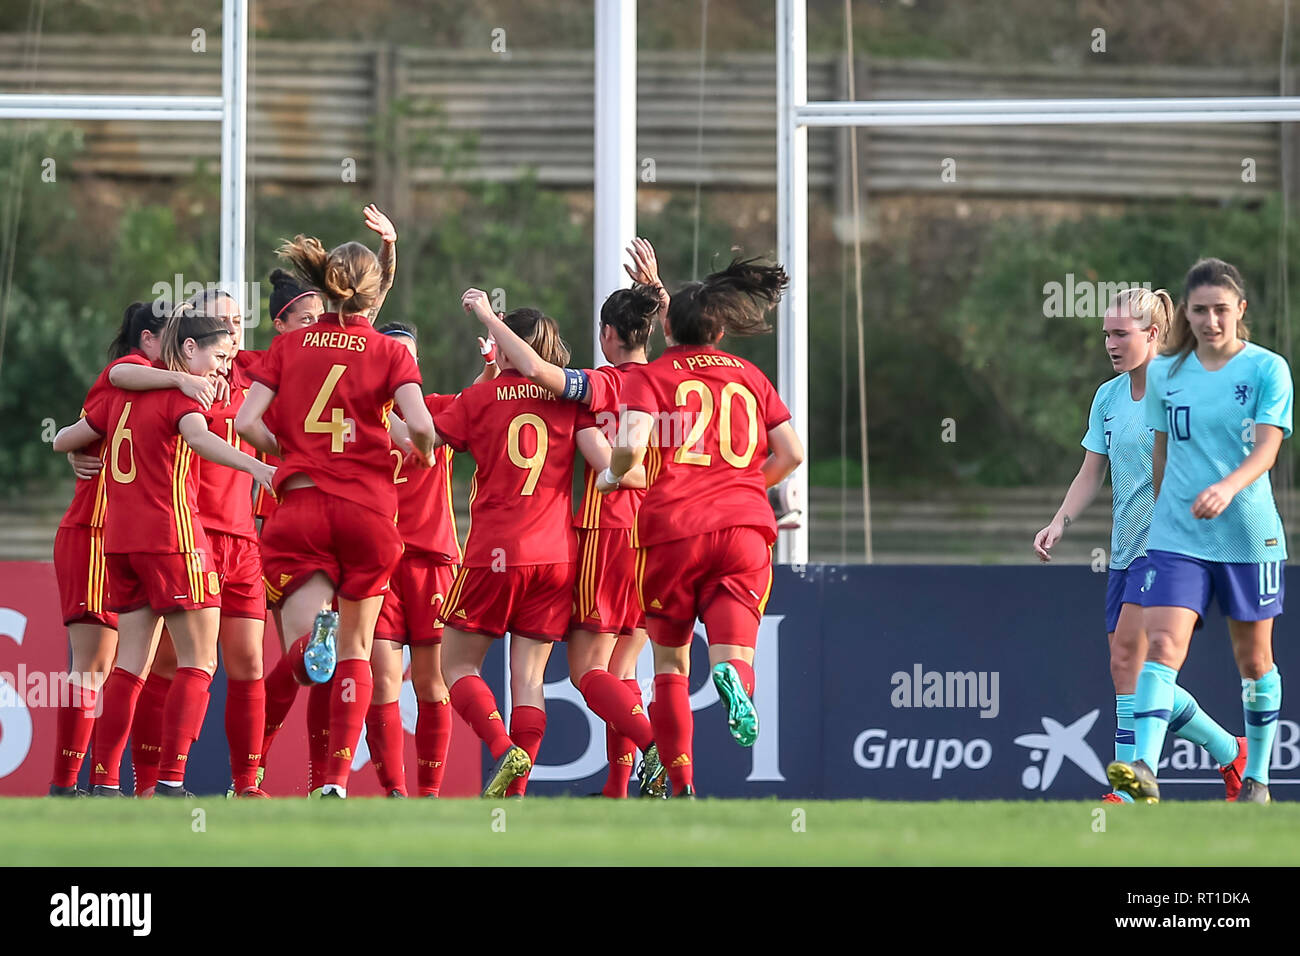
230 109
795 114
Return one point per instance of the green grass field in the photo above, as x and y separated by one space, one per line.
541 831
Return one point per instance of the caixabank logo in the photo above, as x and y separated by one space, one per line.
1185 766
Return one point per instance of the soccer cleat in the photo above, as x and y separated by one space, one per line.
99 790
230 790
396 794
162 791
256 793
653 774
318 792
146 793
742 718
688 793
66 791
1135 779
1252 791
1113 798
1232 772
334 794
514 763
321 653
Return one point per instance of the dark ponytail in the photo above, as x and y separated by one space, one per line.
734 301
284 289
632 314
139 317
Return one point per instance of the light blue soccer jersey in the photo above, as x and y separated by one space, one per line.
1117 428
1210 419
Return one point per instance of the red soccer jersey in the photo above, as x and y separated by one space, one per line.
248 361
618 508
89 497
226 494
152 489
426 516
521 498
334 388
708 443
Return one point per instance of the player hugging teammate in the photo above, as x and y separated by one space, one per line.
358 553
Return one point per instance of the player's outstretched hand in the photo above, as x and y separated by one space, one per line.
378 222
85 467
476 303
645 266
1212 502
1046 539
201 389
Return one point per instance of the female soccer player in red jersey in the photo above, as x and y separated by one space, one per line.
333 385
157 551
607 630
519 566
294 305
79 561
427 521
225 510
705 527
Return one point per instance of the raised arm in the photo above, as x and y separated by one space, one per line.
645 270
249 424
520 354
378 222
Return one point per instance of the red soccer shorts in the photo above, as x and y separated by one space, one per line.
415 596
163 582
356 548
722 577
82 572
239 565
604 598
530 601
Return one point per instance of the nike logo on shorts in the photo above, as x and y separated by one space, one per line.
1263 603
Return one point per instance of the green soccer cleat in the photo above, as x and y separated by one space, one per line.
230 790
1136 779
1252 791
742 718
688 793
653 774
514 763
